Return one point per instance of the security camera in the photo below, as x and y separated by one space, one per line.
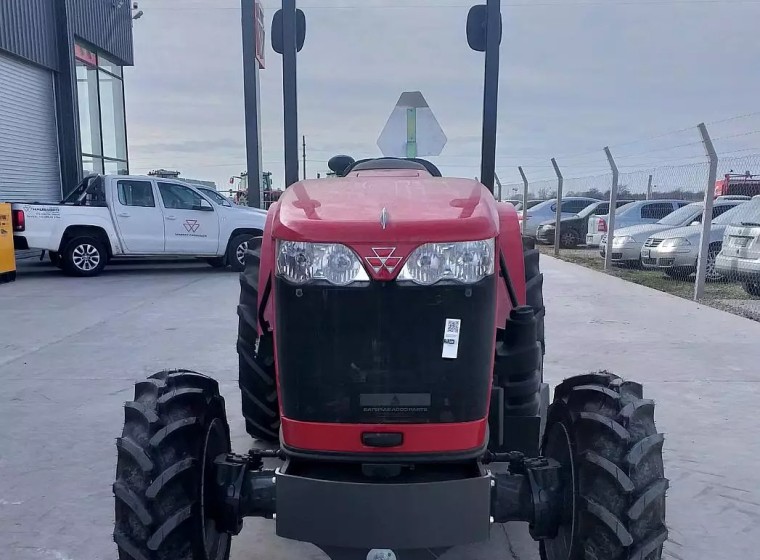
138 14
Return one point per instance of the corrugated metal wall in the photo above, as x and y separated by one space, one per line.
27 29
106 24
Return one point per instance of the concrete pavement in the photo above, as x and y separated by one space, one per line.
71 349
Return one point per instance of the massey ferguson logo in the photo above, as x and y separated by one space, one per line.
191 225
383 258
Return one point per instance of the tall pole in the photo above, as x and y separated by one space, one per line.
704 237
613 208
558 215
251 102
304 157
649 188
289 91
525 199
411 132
490 94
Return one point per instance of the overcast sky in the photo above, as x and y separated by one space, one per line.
576 75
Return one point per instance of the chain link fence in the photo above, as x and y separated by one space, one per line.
662 237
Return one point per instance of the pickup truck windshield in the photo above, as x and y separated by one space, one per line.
90 192
216 197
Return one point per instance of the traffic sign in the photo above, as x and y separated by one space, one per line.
412 129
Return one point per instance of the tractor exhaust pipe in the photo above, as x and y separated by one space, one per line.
484 35
490 94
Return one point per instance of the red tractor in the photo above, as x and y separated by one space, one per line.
391 343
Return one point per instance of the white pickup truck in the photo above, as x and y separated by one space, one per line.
114 216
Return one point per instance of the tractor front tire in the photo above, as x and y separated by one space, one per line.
603 433
257 376
173 430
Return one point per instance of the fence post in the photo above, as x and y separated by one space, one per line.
649 188
558 216
613 208
704 237
525 200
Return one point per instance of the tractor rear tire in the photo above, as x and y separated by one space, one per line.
257 377
534 289
173 430
603 433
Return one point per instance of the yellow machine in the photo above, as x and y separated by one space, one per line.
7 257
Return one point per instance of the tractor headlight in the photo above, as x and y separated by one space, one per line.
301 262
467 262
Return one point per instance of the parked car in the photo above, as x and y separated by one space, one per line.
547 209
675 251
531 204
114 216
639 212
739 258
628 242
573 228
512 201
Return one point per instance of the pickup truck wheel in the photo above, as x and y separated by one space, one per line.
236 251
84 256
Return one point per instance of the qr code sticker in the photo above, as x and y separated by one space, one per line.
452 326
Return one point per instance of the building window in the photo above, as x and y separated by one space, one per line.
102 122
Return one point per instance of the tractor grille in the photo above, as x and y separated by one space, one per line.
372 354
653 242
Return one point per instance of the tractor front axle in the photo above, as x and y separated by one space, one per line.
329 506
244 489
531 491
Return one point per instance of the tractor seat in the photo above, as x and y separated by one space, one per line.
394 163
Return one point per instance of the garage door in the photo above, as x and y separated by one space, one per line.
29 168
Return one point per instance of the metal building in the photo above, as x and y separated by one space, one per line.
61 94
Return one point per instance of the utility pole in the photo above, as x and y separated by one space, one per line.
304 157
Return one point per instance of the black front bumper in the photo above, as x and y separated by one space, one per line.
437 508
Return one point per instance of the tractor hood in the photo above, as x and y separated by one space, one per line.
397 205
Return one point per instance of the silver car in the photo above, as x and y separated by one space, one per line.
675 251
739 258
547 210
628 242
634 213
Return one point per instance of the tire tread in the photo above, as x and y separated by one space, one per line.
619 469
